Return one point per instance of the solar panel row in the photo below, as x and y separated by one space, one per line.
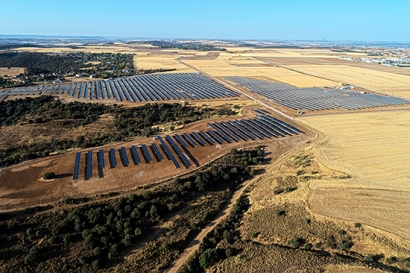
113 159
215 136
142 88
189 139
206 137
315 99
77 165
135 154
101 159
220 132
89 171
180 140
179 152
146 153
168 152
156 152
124 157
200 140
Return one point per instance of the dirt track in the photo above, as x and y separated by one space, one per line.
194 244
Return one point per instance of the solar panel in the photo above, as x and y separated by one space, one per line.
135 154
268 127
179 152
146 153
206 137
277 126
180 140
124 157
222 134
195 135
242 129
156 152
259 128
89 171
226 130
215 136
113 158
246 125
189 139
77 165
101 159
236 131
168 152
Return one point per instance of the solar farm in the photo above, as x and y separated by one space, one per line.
315 99
143 88
178 148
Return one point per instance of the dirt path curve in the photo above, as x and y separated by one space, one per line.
194 244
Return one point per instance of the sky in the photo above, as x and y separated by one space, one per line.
338 20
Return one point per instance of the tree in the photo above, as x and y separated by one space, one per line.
97 251
96 265
206 258
227 235
137 232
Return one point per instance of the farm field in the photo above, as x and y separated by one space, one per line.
12 71
279 214
228 65
373 149
160 61
382 81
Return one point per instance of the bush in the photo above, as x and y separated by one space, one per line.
49 175
206 258
96 265
368 258
308 246
294 243
280 212
229 252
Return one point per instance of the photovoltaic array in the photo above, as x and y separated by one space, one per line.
143 88
315 99
262 127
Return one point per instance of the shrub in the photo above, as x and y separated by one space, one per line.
294 243
308 246
368 258
97 251
227 235
357 225
229 252
96 265
280 212
49 175
206 258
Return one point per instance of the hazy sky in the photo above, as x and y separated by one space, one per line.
363 20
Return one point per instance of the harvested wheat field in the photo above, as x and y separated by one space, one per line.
389 83
234 65
160 61
5 71
373 149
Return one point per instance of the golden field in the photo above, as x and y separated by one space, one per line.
157 61
373 149
229 65
4 71
389 83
